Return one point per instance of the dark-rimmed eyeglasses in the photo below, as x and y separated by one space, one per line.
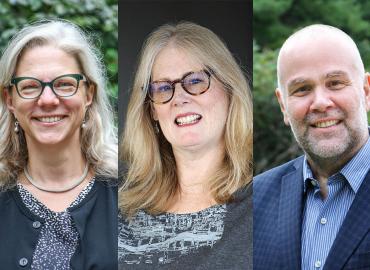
194 83
62 86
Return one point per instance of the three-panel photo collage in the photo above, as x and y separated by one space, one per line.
184 135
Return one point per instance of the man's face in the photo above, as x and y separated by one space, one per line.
324 97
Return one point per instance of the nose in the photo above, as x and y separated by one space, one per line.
322 100
180 97
48 98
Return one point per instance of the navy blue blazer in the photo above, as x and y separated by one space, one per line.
278 201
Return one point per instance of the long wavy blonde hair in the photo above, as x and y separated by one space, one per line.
98 138
151 179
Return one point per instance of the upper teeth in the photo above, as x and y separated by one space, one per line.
50 119
187 119
326 123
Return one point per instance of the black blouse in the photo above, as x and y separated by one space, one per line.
94 218
58 236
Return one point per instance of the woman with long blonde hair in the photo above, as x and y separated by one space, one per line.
58 152
186 197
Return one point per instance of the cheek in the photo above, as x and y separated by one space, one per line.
75 104
218 105
297 109
22 108
162 114
164 119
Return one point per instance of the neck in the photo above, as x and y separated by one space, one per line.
194 169
55 165
323 168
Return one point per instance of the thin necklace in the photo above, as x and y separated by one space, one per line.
57 190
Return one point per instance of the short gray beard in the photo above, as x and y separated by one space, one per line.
337 154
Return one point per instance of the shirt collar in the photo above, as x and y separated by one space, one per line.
354 171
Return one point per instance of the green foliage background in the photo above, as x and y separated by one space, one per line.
273 22
99 18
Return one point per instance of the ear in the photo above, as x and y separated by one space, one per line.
367 91
8 99
90 92
280 97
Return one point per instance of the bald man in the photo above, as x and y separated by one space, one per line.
314 212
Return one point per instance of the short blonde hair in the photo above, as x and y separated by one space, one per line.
151 178
98 138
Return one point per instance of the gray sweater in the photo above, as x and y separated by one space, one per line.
216 238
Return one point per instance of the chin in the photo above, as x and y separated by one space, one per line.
192 144
189 141
49 138
50 141
328 149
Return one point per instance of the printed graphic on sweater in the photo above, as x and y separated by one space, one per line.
161 239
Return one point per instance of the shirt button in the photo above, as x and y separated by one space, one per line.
318 264
323 221
36 224
23 262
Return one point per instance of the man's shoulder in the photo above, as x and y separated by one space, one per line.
271 178
267 189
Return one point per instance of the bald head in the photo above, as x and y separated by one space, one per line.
318 41
324 96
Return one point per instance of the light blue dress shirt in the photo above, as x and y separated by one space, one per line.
322 219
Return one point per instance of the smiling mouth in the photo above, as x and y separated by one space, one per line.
187 120
52 119
326 124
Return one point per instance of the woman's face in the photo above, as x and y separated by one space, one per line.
48 119
187 121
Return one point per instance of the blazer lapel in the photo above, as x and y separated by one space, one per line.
354 227
290 217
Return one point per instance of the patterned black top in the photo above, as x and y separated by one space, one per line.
58 237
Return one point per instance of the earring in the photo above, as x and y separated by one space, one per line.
83 125
16 128
156 127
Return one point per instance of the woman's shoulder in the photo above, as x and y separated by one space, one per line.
244 193
5 197
241 208
107 181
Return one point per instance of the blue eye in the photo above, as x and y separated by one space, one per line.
164 88
195 81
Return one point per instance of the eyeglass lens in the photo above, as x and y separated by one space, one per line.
62 86
194 83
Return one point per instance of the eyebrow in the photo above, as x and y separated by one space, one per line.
336 73
166 79
331 74
299 80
